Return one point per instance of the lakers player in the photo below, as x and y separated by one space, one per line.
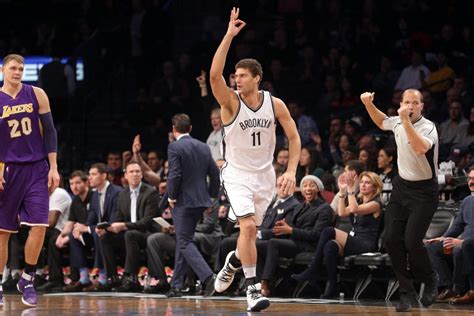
249 117
28 152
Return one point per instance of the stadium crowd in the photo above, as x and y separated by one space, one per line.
142 66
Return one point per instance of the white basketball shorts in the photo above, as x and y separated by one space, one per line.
249 193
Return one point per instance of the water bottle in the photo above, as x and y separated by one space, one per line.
341 296
146 285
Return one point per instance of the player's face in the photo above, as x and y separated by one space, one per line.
133 174
13 71
96 179
413 101
245 81
309 190
78 186
366 186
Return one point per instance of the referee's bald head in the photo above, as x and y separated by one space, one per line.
415 91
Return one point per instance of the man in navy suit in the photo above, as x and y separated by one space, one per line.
190 163
102 208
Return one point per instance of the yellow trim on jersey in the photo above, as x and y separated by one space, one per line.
2 166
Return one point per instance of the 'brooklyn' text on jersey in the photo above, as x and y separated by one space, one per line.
255 123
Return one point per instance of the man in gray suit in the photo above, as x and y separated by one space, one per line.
136 207
190 163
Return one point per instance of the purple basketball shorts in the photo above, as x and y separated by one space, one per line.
25 198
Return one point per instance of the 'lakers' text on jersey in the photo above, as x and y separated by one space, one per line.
20 132
249 140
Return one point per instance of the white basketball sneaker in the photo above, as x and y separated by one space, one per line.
226 275
255 301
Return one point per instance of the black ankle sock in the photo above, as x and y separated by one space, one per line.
234 261
30 268
250 281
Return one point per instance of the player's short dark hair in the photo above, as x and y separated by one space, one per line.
101 167
15 57
79 173
251 64
182 123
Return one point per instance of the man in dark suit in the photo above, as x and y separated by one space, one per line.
190 163
103 204
298 232
452 254
136 207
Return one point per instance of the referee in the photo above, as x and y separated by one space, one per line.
414 196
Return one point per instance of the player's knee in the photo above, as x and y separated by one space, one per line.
248 228
37 231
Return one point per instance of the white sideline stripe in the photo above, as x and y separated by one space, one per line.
200 297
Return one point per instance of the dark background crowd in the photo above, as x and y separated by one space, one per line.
141 59
146 60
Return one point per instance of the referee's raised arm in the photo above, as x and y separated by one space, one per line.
376 115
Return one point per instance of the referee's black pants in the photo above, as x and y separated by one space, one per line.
407 218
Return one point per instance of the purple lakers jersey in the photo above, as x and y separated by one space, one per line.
20 134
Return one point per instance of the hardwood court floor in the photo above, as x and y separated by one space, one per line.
140 304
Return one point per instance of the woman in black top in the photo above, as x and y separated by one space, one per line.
364 211
387 163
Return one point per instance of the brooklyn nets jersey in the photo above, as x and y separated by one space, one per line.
249 140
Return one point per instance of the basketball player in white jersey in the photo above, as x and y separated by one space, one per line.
249 118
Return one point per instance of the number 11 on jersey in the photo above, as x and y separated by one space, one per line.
256 139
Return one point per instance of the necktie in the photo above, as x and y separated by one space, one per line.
277 202
133 206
